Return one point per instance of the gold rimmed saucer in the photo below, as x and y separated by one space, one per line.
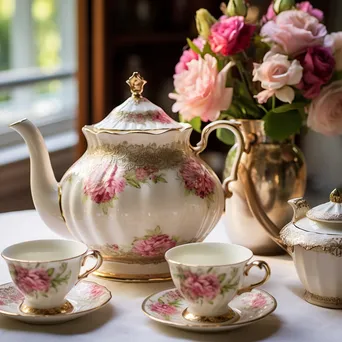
84 298
168 307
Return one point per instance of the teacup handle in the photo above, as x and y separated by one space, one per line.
93 254
262 265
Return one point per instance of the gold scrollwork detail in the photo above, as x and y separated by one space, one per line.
134 260
132 156
294 236
323 301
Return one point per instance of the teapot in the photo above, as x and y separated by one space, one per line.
139 189
313 239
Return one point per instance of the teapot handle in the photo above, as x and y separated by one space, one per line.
234 128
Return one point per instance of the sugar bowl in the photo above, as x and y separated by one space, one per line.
314 240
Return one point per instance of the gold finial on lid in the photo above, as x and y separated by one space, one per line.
336 196
136 82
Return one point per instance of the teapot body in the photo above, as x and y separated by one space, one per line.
132 196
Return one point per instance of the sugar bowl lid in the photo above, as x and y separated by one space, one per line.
137 113
331 211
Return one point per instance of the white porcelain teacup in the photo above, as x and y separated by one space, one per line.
46 270
209 275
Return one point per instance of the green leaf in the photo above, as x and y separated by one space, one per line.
196 124
157 230
221 277
337 76
225 136
287 107
160 179
50 271
206 50
160 300
210 269
133 182
193 47
211 302
280 126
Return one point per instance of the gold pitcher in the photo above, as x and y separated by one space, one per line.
270 174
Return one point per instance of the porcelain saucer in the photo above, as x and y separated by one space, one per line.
167 307
84 298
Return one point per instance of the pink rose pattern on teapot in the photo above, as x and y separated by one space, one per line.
152 245
105 186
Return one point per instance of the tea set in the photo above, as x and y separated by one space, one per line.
140 201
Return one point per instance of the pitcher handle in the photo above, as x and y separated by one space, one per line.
234 128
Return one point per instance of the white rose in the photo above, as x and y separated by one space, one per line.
276 73
325 111
334 41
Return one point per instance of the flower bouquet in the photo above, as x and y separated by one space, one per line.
284 69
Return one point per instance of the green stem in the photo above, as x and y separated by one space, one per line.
263 108
273 101
244 82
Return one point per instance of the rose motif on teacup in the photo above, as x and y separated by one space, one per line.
38 280
205 286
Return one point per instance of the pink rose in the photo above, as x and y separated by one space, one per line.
197 179
161 117
173 295
142 173
325 111
104 186
230 35
305 6
293 31
188 55
139 117
334 42
201 90
270 14
96 291
204 286
115 247
276 73
318 64
258 301
30 280
155 245
163 309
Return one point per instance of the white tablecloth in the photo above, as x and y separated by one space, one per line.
122 319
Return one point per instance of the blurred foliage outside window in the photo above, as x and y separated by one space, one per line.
46 52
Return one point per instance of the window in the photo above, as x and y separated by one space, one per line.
37 67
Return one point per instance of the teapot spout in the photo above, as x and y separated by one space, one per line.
300 207
44 187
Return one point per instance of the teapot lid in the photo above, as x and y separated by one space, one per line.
330 211
137 113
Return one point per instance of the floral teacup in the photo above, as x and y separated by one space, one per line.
209 275
46 270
